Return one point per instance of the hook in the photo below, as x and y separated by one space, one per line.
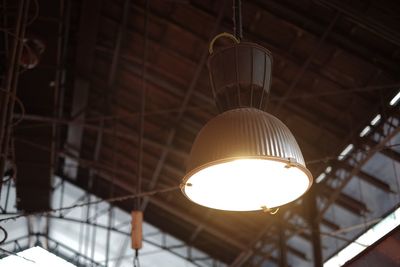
272 211
223 34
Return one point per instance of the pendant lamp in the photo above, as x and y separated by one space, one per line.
245 158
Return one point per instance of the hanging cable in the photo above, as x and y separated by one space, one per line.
5 235
234 18
239 9
137 214
109 200
237 19
31 20
10 253
136 262
142 105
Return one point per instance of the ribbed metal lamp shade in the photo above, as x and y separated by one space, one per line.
245 159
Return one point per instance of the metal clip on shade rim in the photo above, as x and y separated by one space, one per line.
223 34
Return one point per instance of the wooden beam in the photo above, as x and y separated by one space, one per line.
312 26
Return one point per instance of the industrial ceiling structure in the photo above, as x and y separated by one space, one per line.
76 74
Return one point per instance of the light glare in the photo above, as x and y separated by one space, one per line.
368 238
246 184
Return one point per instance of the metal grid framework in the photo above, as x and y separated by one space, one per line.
335 68
91 231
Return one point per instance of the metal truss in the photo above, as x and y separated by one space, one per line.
81 256
376 142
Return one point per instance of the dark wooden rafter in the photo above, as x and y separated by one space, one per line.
310 25
364 21
297 107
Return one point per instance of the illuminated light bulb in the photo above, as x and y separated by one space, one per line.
246 184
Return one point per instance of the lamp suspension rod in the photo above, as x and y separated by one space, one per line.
237 19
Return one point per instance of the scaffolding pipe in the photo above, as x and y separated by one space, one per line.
11 83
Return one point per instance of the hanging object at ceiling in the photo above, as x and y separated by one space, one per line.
245 158
32 52
136 234
136 237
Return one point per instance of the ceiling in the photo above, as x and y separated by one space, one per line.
335 69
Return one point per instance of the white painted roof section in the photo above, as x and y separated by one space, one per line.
34 257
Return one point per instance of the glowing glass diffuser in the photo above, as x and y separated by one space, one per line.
244 159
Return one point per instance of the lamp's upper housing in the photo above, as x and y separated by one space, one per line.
245 159
240 76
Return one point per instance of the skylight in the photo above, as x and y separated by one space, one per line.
320 178
375 120
346 151
368 238
365 131
328 169
34 257
395 99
